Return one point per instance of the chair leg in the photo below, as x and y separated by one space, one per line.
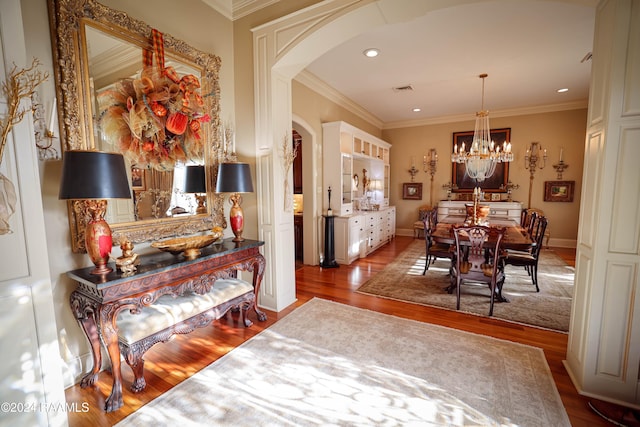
493 293
535 277
458 294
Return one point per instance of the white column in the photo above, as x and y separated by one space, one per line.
603 355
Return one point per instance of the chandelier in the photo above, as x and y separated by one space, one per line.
483 154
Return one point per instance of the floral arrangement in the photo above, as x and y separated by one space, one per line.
155 120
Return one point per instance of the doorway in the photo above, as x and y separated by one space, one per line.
310 212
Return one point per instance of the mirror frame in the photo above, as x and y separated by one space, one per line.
66 19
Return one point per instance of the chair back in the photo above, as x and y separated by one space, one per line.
429 221
472 251
538 235
531 222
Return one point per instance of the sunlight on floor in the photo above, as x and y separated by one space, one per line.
314 387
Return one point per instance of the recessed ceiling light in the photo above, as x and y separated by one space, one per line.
564 89
416 110
371 52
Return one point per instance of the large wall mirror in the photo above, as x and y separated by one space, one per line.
95 48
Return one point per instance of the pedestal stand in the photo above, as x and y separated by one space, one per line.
329 260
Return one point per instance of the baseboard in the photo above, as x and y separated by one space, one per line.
563 243
75 369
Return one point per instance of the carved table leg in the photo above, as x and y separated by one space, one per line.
109 330
258 273
139 382
85 311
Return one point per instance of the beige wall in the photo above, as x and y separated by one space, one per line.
198 25
209 31
553 130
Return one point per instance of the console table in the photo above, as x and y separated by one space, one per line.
97 300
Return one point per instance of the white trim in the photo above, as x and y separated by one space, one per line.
320 86
314 83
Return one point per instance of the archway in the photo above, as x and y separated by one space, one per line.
311 212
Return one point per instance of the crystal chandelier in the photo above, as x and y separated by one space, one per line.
483 155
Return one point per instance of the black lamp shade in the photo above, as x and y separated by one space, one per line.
234 178
93 175
194 180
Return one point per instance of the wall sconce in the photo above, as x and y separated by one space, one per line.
91 177
560 166
235 178
532 158
430 165
194 182
413 171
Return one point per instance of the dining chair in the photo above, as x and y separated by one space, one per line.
434 250
418 226
529 260
476 261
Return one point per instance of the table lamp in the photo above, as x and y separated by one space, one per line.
235 178
194 182
92 176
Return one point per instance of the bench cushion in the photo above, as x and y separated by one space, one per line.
169 310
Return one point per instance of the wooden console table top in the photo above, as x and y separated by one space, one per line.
97 300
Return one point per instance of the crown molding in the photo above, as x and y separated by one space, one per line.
317 85
236 9
511 112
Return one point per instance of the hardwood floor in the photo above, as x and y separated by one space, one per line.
169 364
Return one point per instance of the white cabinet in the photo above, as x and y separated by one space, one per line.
357 235
348 236
353 151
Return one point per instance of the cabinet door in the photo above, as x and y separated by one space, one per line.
347 184
355 231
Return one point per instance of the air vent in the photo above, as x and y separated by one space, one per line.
405 88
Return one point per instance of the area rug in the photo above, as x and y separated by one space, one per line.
550 308
329 364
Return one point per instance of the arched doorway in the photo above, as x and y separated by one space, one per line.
311 212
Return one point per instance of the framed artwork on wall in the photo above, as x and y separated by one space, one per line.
558 191
497 182
412 191
137 179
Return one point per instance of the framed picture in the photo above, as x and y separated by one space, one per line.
497 182
137 179
558 191
412 191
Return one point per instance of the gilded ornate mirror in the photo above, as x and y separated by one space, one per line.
95 48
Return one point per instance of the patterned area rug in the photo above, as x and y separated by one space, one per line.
329 364
550 308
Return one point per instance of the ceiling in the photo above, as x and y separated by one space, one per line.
528 48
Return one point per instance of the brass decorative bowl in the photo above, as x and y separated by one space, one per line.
188 246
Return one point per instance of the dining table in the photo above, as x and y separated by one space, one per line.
515 238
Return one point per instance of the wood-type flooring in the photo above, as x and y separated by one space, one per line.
170 363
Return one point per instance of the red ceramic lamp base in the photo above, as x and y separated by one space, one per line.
98 238
236 217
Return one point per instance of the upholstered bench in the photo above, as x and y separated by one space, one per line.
170 315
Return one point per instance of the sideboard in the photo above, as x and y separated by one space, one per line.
359 234
98 300
497 210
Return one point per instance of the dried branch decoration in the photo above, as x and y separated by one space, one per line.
289 153
19 84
